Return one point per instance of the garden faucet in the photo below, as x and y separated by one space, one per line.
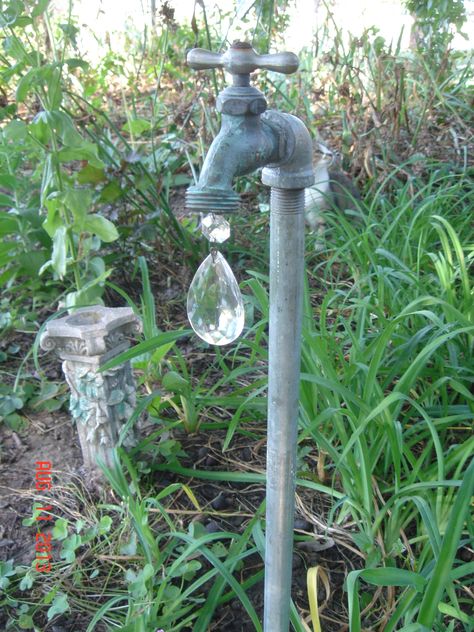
251 137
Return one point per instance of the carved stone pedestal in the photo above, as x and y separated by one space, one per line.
101 402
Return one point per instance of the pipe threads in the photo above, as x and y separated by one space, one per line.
207 200
286 201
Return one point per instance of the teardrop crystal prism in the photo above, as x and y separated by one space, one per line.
215 306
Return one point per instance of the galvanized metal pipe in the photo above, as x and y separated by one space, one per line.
286 291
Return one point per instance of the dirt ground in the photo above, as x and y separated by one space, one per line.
49 437
52 437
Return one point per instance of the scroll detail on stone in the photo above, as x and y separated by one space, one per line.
101 403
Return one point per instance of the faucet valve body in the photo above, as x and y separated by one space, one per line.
241 100
241 60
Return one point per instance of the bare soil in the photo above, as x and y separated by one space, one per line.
52 437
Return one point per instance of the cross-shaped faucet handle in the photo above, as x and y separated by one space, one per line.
241 59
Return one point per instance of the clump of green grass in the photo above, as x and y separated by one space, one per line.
386 393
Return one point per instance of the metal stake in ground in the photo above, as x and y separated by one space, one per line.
251 137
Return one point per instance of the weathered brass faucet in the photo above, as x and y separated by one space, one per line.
251 137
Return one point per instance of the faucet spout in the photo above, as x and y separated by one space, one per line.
243 144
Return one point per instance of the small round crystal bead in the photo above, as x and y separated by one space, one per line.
215 228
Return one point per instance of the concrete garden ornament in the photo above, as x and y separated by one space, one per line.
101 402
251 137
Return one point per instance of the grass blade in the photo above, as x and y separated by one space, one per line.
440 575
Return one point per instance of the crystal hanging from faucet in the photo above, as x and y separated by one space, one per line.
215 228
215 306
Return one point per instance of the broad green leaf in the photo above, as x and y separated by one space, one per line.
60 605
53 219
25 621
111 192
22 21
97 267
15 130
78 201
91 175
186 570
75 62
5 200
90 294
9 403
48 598
136 127
31 262
39 127
174 382
13 45
6 571
70 31
60 529
64 126
10 14
54 87
27 581
101 227
8 181
105 525
84 151
68 549
137 581
26 85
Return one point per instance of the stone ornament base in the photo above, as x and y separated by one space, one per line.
101 403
